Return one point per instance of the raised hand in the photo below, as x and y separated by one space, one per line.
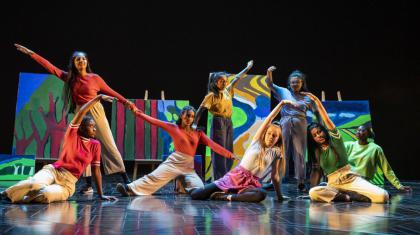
250 64
23 49
271 69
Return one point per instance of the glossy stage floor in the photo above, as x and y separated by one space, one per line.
167 213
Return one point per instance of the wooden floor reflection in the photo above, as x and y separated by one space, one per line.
167 213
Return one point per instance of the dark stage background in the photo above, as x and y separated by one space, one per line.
367 49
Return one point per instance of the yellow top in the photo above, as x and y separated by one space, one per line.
220 105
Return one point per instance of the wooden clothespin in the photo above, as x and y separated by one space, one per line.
339 96
323 96
162 95
146 95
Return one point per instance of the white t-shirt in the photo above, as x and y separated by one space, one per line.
250 159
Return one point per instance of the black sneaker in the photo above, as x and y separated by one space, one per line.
219 196
124 190
86 189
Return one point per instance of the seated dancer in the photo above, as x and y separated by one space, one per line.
241 183
57 181
365 157
180 162
327 153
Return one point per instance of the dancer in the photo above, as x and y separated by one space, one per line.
327 152
219 103
57 181
293 120
241 183
180 162
365 158
81 85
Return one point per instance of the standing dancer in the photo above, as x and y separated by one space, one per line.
327 152
81 85
219 103
180 162
293 120
241 183
57 181
365 158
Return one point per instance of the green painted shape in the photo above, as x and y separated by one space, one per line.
168 116
209 120
129 135
357 122
180 104
239 117
147 127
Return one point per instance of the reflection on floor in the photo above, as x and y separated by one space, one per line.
167 213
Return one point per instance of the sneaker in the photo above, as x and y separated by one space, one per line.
219 196
32 195
86 189
3 196
124 190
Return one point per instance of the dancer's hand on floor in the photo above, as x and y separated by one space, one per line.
405 189
107 198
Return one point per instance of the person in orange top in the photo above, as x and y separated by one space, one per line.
180 162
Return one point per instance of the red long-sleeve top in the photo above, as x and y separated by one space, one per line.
186 142
85 87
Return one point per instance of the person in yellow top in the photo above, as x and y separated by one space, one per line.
364 158
218 102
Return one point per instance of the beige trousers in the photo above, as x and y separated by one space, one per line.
175 165
344 180
53 184
110 156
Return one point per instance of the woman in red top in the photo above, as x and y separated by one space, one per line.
180 162
81 85
57 181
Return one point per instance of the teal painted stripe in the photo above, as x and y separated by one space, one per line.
147 129
129 135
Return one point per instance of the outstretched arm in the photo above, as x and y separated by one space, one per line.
240 75
43 62
104 88
96 170
389 173
78 117
154 121
279 93
216 147
322 112
270 118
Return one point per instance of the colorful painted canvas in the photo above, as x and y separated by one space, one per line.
137 139
41 118
251 105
